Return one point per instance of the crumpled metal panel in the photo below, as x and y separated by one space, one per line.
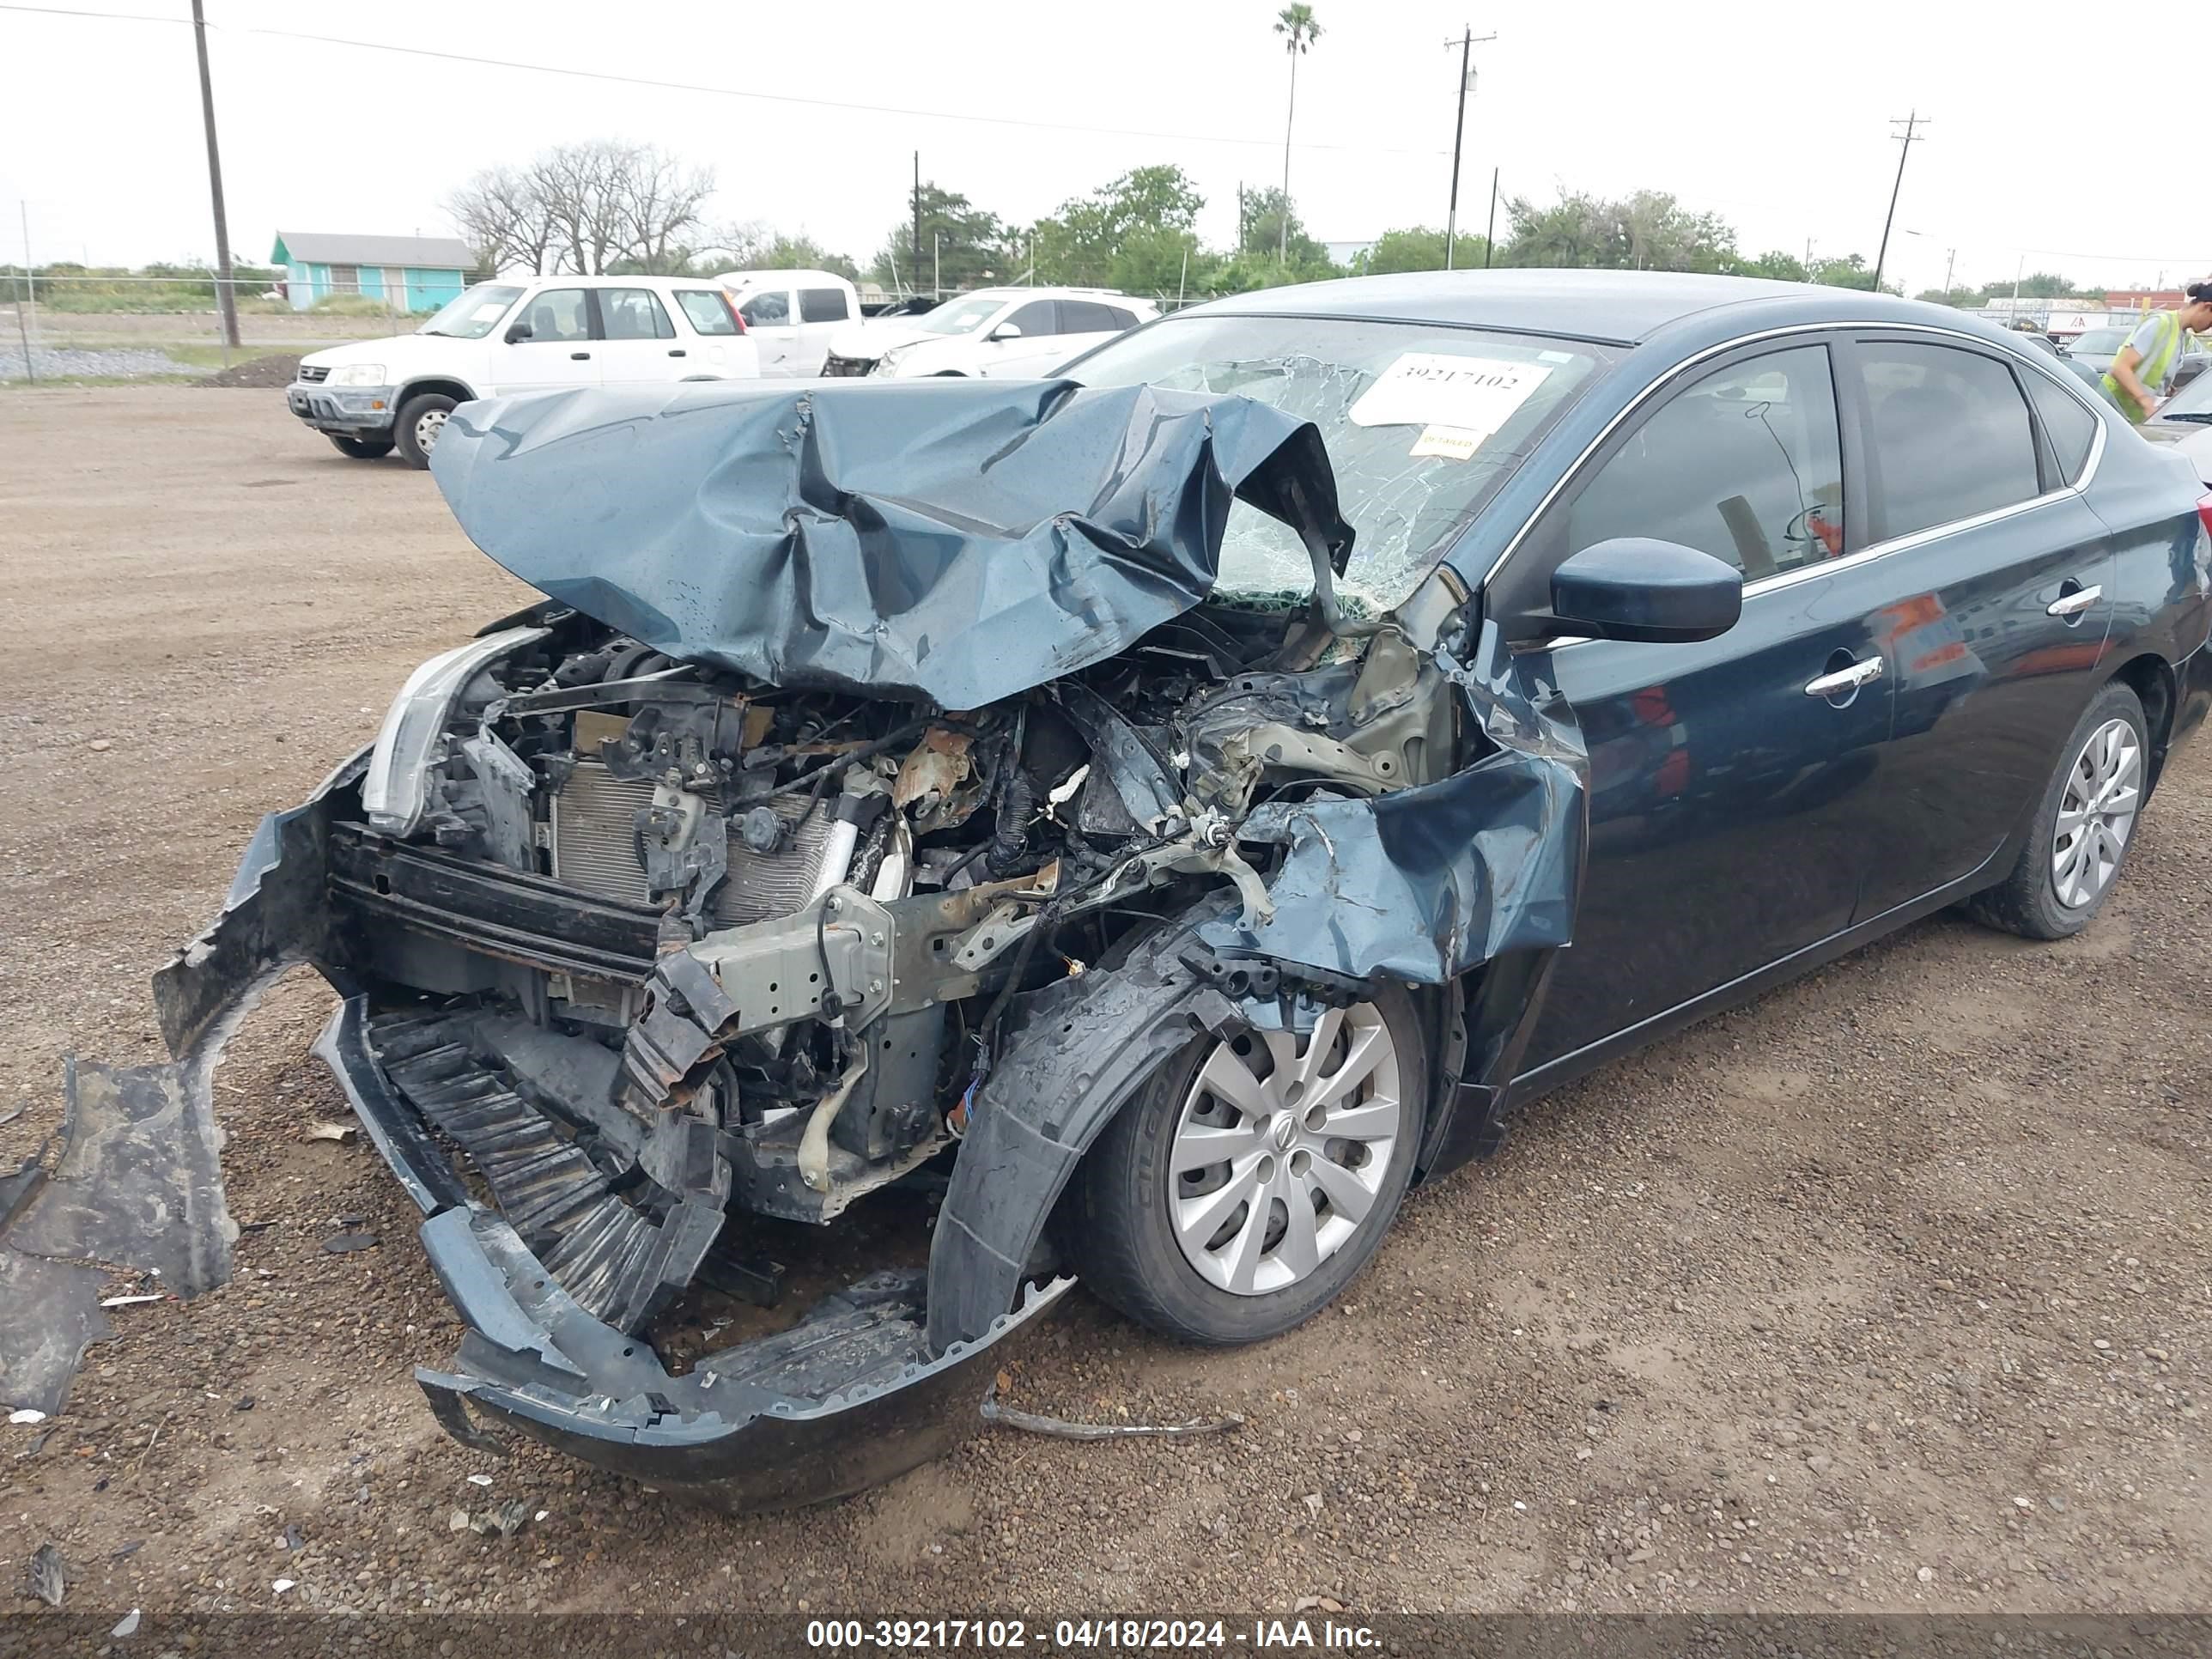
1425 884
959 540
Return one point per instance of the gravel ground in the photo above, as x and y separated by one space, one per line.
1892 1292
72 362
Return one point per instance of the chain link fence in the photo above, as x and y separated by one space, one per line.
71 324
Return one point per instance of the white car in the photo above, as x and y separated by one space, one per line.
791 315
525 334
1013 333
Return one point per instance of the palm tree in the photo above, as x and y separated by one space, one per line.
1295 23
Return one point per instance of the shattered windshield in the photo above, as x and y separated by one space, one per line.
1423 421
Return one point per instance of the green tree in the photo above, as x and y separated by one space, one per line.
1268 221
804 253
1136 233
1295 23
1575 232
962 246
1418 248
2036 285
1773 265
1850 270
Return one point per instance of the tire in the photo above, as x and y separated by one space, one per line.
360 449
1119 1227
2048 895
421 419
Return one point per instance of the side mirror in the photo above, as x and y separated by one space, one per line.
518 333
1005 331
1634 587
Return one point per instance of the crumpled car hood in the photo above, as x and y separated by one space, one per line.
958 540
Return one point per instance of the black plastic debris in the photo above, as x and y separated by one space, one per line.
139 1181
344 1244
50 1313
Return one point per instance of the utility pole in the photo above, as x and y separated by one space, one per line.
1466 43
226 301
917 219
1950 262
1913 120
1490 234
23 300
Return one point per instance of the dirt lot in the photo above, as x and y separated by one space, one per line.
1892 1291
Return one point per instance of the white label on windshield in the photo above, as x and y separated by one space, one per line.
1453 443
489 312
1470 395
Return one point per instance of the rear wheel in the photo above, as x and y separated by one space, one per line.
1252 1178
2082 830
422 419
360 449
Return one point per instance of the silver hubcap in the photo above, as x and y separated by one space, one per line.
428 426
2096 814
1281 1149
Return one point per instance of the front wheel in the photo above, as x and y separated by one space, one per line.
422 419
360 449
2083 829
1253 1177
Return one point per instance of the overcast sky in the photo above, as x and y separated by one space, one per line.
1777 117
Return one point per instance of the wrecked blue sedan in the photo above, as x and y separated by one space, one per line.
1163 812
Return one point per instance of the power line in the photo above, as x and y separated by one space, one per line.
607 75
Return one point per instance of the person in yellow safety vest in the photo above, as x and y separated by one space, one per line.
2138 376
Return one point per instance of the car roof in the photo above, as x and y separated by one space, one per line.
1616 307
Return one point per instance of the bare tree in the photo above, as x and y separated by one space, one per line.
586 207
501 217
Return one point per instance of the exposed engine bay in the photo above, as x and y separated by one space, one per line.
592 847
692 903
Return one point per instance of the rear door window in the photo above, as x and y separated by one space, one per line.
1088 317
1744 464
633 314
822 304
1950 436
2071 429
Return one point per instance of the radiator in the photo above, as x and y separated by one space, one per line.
594 848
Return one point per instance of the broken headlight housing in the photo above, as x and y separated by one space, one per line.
396 788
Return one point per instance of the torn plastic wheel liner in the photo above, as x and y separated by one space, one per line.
849 1397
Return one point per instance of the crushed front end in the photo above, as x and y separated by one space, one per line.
666 919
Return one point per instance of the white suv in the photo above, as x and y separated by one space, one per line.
1014 332
521 334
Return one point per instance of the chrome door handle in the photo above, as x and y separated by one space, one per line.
2073 605
1865 671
